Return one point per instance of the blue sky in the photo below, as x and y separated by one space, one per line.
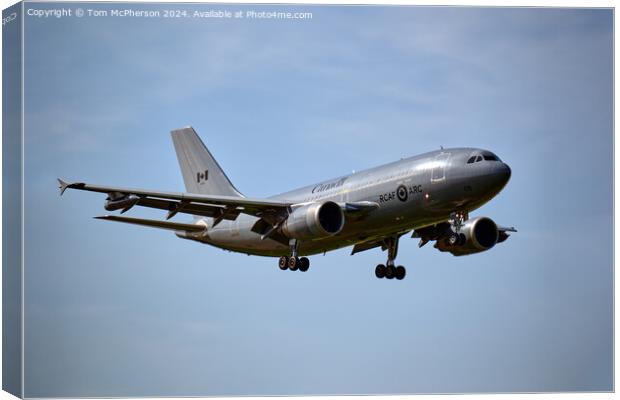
121 310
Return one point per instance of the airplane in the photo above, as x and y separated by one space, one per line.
430 195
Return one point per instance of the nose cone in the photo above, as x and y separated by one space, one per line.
501 175
505 172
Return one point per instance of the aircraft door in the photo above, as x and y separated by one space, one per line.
438 173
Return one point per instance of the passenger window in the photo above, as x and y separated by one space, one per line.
471 160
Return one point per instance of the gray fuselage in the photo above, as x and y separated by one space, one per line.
411 193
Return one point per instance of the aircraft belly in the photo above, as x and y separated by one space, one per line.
237 236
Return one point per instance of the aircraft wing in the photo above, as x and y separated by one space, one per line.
270 212
502 233
219 207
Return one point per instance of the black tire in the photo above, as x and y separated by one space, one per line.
390 271
293 263
380 271
304 264
462 239
400 272
283 263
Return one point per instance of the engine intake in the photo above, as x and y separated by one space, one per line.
314 221
476 235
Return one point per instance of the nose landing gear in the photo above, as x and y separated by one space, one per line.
456 221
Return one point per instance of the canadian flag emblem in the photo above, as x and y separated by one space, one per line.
202 177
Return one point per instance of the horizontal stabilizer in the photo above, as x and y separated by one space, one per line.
173 226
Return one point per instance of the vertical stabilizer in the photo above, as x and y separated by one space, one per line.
201 173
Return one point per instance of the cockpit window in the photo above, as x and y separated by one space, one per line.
487 156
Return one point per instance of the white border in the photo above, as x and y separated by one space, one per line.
546 3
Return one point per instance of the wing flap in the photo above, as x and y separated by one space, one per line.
204 210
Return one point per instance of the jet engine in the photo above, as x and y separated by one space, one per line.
476 235
314 221
116 202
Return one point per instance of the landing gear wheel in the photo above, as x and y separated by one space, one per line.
390 271
462 239
293 263
400 272
304 264
283 263
380 271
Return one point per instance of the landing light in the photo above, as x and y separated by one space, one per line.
426 196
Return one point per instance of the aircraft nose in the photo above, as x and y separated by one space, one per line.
503 173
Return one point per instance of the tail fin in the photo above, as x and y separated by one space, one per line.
201 173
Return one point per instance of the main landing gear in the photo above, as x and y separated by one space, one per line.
390 271
293 262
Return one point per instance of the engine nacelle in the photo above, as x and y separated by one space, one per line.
476 235
314 221
124 202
